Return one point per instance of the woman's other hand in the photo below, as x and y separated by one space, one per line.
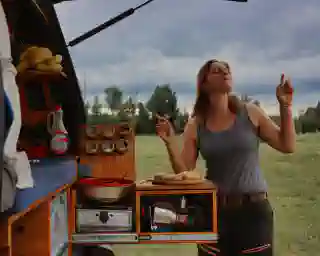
164 129
285 91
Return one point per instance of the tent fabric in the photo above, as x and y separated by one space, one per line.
29 28
7 176
2 135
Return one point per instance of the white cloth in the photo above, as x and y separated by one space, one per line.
5 47
19 162
11 89
18 159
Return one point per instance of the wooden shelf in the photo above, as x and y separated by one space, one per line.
109 166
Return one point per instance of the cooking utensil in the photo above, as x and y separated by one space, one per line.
104 190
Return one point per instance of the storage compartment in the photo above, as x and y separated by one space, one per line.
30 233
180 213
176 213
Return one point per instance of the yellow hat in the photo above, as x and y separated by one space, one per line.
40 59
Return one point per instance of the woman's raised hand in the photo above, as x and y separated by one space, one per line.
285 91
164 129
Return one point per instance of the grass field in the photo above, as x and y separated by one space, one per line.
294 182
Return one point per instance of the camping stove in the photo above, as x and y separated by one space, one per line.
108 219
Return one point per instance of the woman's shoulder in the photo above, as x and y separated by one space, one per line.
255 113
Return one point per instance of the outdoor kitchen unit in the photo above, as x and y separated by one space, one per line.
156 214
112 208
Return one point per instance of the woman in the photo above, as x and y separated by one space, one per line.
227 132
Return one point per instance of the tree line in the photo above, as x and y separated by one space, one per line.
163 101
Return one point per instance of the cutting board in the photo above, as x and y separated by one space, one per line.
204 185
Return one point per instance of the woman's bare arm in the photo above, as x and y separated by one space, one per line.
186 159
281 138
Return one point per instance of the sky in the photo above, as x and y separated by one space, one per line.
168 41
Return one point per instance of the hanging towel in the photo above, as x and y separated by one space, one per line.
8 114
18 161
15 161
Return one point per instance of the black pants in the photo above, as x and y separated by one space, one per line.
243 230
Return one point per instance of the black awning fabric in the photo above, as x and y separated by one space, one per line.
30 28
73 104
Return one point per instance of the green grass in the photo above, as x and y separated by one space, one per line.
294 182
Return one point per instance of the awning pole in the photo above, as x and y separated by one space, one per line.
107 24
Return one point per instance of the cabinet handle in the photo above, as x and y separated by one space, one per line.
20 229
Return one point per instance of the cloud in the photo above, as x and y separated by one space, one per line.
167 42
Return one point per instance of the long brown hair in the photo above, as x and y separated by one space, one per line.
202 104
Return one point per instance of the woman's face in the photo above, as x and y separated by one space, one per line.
219 78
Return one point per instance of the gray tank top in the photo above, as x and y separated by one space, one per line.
232 156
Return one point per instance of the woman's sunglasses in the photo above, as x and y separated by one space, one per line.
216 66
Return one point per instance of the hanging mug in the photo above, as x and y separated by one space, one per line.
122 146
92 131
91 147
108 132
124 129
107 146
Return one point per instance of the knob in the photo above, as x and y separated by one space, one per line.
104 217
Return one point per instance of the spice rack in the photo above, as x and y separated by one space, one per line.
108 151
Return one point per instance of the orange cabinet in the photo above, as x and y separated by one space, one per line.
42 230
